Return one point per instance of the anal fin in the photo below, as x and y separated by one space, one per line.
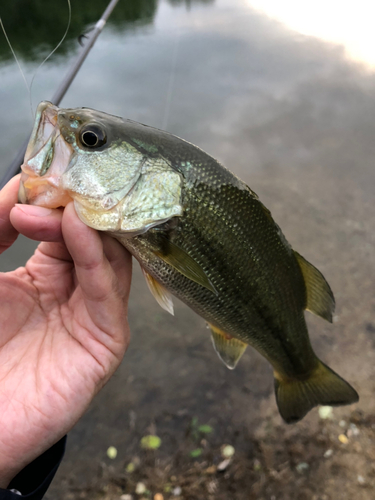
320 299
162 296
228 348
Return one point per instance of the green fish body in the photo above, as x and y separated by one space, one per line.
199 233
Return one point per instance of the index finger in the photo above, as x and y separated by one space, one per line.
8 198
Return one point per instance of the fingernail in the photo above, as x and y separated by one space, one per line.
34 211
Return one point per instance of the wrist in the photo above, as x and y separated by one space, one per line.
9 468
17 452
6 477
35 477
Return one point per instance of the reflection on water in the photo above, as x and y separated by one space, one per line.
349 23
34 28
189 3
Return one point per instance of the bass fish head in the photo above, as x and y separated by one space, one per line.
90 157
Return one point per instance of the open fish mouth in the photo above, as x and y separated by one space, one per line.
44 126
46 159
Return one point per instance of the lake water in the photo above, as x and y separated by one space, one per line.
221 74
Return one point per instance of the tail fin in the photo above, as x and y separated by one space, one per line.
323 387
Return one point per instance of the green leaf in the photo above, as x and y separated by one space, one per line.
205 429
196 453
194 422
130 467
150 442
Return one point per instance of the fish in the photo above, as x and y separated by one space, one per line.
198 232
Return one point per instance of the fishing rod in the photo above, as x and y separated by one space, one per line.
15 166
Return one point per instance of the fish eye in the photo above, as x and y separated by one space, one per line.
92 136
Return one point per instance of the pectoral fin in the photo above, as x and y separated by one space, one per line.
162 295
320 299
184 264
227 347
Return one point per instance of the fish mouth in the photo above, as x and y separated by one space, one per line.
47 157
44 126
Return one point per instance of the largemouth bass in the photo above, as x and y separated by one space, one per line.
198 232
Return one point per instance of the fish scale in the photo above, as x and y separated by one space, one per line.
240 309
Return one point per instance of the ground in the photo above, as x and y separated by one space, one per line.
333 458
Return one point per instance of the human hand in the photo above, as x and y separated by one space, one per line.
63 326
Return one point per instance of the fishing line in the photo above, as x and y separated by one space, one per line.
29 87
15 57
171 85
54 50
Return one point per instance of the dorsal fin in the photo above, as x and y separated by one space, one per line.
320 299
228 348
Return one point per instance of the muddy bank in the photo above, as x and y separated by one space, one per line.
311 461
